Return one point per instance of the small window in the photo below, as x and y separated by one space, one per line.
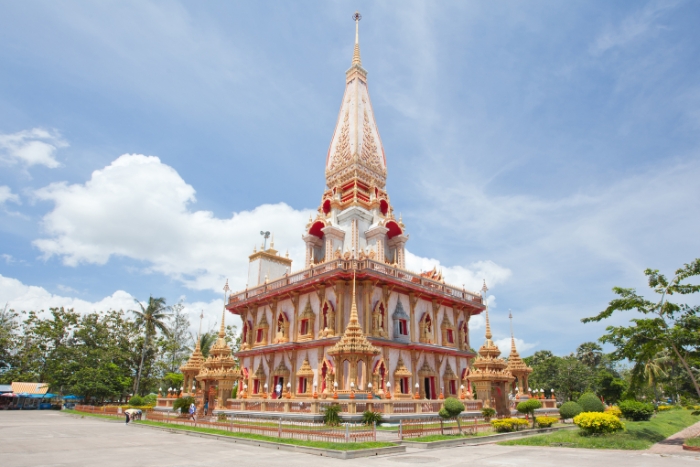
256 386
259 337
304 326
403 327
450 336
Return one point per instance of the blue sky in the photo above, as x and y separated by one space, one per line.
551 148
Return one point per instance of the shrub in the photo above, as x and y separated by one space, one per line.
528 407
589 402
506 425
546 422
570 410
369 417
451 409
136 400
488 412
614 410
636 411
663 408
183 403
596 423
150 399
331 415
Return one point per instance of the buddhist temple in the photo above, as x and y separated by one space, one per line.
353 323
353 310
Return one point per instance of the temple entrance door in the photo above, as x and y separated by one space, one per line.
427 384
324 373
278 380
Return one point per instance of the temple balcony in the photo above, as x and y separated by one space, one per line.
445 294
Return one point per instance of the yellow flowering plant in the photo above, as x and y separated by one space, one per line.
546 422
596 423
614 410
505 425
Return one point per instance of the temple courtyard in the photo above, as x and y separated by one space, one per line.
44 438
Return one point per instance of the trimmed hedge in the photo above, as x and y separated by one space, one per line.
636 411
570 410
506 425
545 422
596 423
589 402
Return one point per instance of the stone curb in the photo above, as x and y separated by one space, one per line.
476 441
355 454
691 448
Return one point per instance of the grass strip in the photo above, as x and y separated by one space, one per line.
430 438
294 442
692 442
96 415
637 435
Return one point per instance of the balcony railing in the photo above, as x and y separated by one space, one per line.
358 265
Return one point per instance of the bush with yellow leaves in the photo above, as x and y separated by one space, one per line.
597 423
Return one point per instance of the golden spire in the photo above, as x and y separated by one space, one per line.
484 289
356 54
513 350
353 341
222 330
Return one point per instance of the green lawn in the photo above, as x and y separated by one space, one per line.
637 435
109 417
296 442
430 438
693 442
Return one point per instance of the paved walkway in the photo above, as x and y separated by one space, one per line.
46 438
674 443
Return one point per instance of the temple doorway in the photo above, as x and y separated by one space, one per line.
429 385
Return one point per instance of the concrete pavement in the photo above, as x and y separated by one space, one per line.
46 438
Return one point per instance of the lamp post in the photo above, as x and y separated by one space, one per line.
417 396
462 394
335 390
245 391
369 390
352 390
388 390
265 391
289 390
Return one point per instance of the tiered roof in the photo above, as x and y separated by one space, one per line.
353 340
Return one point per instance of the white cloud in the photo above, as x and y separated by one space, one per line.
138 207
21 297
31 147
520 345
470 277
7 195
633 27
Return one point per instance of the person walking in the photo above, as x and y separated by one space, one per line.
127 417
206 407
192 411
278 390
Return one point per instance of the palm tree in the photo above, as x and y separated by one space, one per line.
152 318
206 340
655 368
590 354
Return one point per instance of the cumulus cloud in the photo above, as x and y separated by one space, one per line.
7 195
520 345
22 297
139 208
471 277
31 147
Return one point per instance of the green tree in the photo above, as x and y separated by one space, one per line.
451 410
664 324
206 340
151 319
528 407
572 377
590 354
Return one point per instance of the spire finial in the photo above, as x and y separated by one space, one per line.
222 330
199 334
488 325
356 54
353 308
512 336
